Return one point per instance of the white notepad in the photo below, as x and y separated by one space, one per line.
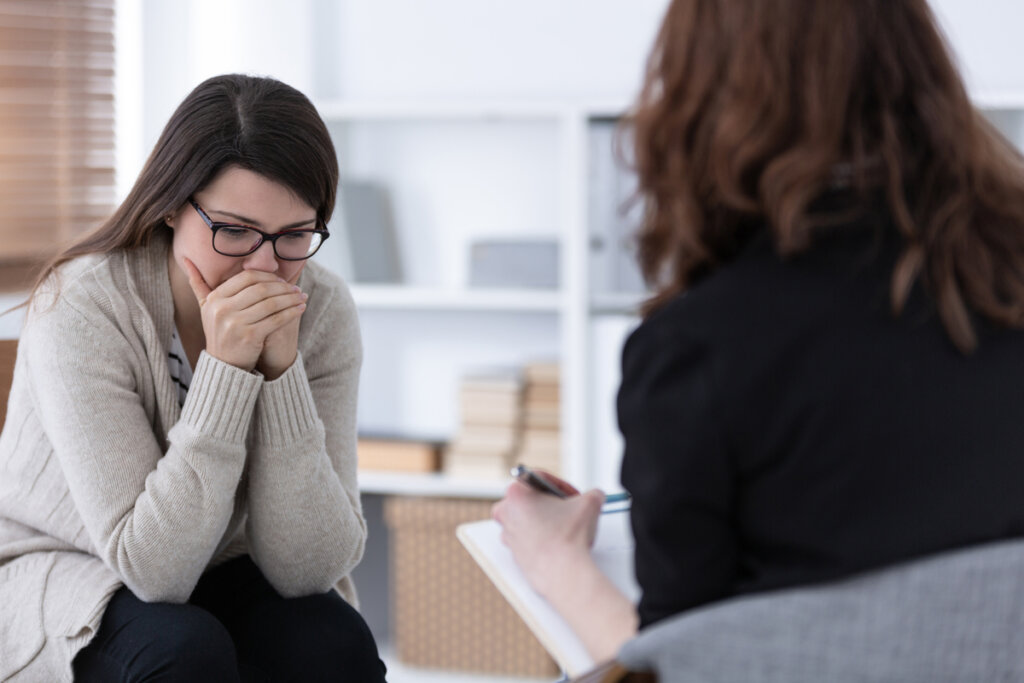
613 552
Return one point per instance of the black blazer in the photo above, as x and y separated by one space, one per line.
783 427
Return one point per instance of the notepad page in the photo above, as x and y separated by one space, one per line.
613 553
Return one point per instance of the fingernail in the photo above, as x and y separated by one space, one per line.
295 288
305 296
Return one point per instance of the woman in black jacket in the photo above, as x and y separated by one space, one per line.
827 377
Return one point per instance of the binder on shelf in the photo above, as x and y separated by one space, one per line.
500 380
543 374
398 454
541 442
527 264
488 466
613 219
490 404
364 244
488 437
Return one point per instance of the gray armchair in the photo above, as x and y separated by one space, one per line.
958 616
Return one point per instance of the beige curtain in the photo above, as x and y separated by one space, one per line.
56 124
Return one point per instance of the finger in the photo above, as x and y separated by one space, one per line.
247 278
196 281
559 483
264 308
253 307
255 294
272 323
594 499
518 490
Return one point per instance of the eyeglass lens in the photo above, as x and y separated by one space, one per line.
239 241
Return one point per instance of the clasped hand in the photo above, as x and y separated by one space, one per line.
251 320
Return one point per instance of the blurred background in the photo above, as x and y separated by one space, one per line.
483 223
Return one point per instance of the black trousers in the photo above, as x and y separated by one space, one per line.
235 627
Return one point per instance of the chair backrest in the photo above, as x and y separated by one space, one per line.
8 352
958 616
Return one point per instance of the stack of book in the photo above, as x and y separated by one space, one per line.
491 411
398 454
542 418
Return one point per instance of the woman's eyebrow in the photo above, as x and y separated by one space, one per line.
257 224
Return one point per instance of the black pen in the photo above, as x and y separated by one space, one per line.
537 482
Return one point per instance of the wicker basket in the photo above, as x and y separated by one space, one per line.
445 612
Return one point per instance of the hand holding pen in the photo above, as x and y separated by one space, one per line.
545 482
548 526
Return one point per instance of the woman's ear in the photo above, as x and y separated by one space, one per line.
169 220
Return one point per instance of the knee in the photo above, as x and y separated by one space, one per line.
350 644
195 646
328 635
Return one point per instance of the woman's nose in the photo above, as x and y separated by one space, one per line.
263 259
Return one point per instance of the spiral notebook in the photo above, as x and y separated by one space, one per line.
613 552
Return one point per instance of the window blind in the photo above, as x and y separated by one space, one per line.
56 124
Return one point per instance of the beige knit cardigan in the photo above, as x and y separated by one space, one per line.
105 481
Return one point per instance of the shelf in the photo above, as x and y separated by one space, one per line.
437 484
618 303
401 297
606 110
998 99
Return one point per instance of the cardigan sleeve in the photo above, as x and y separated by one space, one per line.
305 527
154 512
677 470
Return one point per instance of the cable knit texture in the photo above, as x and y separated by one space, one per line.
105 481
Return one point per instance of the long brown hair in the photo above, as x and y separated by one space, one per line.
749 107
259 124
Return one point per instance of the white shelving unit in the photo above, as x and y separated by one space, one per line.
530 162
459 172
438 484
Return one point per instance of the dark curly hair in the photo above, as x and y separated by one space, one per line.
750 106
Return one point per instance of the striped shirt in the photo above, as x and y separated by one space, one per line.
177 363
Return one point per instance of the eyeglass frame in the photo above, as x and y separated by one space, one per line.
264 236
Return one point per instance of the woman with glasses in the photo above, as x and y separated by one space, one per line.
178 492
827 379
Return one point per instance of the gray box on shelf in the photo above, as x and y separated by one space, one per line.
514 264
613 218
364 245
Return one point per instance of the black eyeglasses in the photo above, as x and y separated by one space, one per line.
230 239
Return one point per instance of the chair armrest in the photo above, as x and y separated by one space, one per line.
958 616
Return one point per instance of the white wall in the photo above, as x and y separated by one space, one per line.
986 35
381 50
492 48
447 49
10 323
167 47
